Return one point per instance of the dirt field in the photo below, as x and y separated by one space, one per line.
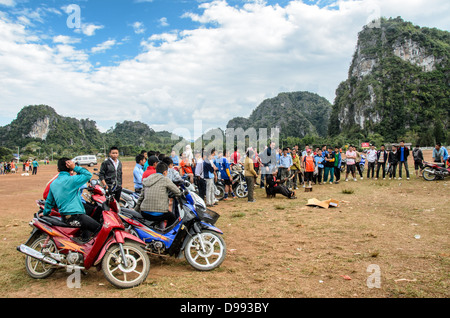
276 248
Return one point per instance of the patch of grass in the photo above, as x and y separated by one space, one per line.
348 191
238 215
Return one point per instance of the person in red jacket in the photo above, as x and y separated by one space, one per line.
151 169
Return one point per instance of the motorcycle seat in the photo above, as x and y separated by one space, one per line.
132 213
54 221
127 191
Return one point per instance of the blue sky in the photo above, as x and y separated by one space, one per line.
170 62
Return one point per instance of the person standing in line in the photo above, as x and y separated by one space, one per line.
360 161
236 157
295 169
225 174
250 175
337 164
318 170
199 175
350 156
329 166
110 174
35 166
393 162
371 161
418 160
138 172
285 166
309 166
382 158
402 156
209 174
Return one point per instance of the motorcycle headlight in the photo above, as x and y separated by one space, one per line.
198 202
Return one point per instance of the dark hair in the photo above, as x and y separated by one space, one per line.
62 165
161 167
143 151
213 150
152 160
150 153
161 156
113 148
438 144
167 160
417 145
139 157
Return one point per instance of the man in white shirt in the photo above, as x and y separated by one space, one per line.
371 161
350 156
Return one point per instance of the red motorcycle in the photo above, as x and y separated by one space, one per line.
53 244
435 171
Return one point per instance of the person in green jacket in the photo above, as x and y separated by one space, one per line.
64 194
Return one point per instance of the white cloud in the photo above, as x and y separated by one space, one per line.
163 22
138 27
222 69
89 29
102 47
8 3
64 39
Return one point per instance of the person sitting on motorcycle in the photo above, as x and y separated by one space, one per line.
153 203
64 194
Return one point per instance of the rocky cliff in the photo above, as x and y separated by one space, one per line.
398 83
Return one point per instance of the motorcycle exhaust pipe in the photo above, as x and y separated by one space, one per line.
37 255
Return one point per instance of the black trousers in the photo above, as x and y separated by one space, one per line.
383 166
84 222
337 173
371 167
201 184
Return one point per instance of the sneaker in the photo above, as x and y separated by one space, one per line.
355 179
385 178
331 182
400 178
346 180
362 178
376 178
407 178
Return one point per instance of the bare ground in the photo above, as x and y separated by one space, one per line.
276 248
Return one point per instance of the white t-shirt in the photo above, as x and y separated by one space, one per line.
350 161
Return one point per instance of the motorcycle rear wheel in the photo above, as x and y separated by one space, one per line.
213 255
134 274
220 192
428 175
38 269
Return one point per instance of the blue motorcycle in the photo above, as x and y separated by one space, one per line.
192 233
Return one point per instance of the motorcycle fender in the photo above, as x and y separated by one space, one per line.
34 233
119 237
203 225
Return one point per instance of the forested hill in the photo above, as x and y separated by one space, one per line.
39 129
397 86
297 114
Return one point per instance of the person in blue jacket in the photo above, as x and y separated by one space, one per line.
64 194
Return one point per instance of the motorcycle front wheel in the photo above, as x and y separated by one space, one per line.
428 174
132 275
36 268
211 256
241 191
220 192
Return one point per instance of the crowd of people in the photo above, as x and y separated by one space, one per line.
14 167
280 171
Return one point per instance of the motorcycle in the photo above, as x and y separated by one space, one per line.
53 244
192 233
435 171
239 184
128 198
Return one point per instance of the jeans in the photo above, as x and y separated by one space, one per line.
328 170
405 163
383 166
